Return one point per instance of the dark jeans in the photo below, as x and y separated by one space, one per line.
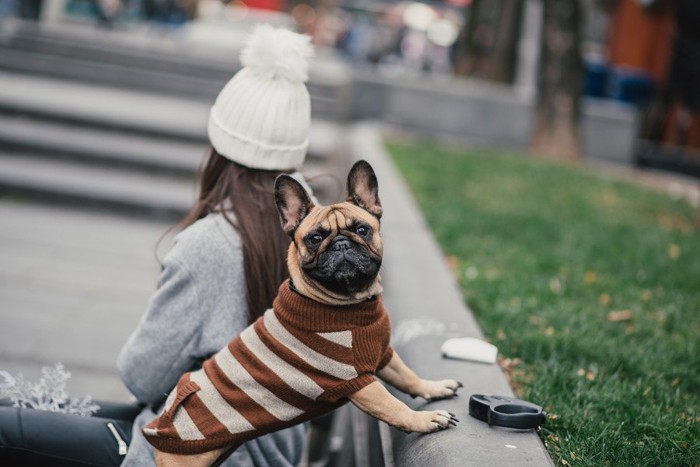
39 438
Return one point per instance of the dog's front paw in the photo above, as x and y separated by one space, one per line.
429 421
432 390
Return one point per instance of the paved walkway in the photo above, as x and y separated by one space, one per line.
72 287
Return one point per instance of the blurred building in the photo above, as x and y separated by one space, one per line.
654 61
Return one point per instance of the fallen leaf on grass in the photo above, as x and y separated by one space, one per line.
604 299
536 320
589 375
452 263
659 316
471 273
512 373
555 285
620 315
674 251
672 222
591 277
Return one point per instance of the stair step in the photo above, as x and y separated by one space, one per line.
137 60
105 107
183 121
159 197
135 49
99 146
113 74
91 145
176 118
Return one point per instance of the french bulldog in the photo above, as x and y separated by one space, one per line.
324 342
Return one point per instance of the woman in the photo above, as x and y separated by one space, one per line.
226 264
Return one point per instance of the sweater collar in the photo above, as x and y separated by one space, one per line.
305 313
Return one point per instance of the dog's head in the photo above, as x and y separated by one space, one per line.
336 250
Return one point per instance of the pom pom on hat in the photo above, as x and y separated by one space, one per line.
261 117
278 51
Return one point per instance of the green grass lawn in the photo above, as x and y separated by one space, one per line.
590 287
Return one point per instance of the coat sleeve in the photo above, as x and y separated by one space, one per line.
160 350
198 307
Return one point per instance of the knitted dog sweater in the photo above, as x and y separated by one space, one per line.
298 361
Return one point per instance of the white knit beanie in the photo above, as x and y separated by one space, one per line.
261 117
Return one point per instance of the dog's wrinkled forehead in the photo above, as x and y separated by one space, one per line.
338 218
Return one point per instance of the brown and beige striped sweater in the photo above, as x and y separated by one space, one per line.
300 360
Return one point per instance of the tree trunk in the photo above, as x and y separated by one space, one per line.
488 43
467 48
556 131
502 66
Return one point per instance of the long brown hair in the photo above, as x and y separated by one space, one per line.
248 194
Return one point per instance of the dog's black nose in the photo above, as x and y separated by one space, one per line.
340 243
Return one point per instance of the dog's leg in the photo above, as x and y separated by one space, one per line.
375 400
206 459
404 379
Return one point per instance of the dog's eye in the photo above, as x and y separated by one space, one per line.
362 230
314 239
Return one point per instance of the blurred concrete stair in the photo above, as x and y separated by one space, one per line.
127 151
92 56
140 60
117 119
28 136
116 190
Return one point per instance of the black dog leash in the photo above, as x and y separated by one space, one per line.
506 412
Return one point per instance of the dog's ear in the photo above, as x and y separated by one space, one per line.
293 203
363 189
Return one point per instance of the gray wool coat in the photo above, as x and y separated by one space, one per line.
198 307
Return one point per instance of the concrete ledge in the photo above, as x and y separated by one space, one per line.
484 114
426 307
609 130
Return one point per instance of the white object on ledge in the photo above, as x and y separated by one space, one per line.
470 348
